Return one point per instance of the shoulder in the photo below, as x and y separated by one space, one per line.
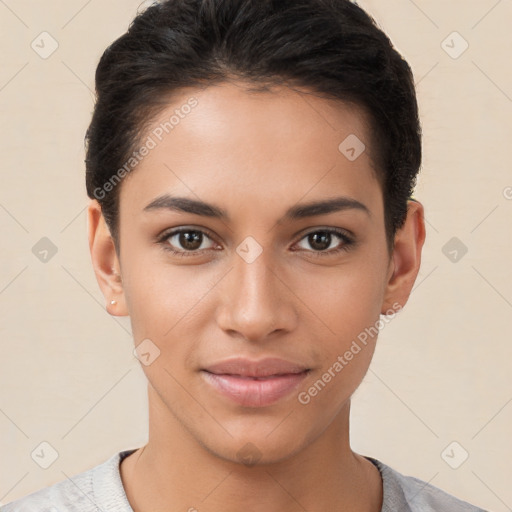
67 495
98 488
409 494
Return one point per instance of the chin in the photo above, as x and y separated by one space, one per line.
256 447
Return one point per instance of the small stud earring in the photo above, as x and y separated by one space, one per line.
113 302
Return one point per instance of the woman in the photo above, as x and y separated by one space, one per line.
250 166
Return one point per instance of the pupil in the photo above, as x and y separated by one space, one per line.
189 240
320 240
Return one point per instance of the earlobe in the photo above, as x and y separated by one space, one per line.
105 261
406 259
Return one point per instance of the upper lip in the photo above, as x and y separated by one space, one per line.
260 368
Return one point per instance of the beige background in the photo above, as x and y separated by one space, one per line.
441 373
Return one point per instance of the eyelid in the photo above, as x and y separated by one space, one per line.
330 229
178 229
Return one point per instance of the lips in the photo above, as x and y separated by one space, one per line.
257 369
255 383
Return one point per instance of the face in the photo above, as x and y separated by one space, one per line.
256 274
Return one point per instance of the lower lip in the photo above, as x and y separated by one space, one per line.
251 392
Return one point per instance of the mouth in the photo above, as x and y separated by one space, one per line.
255 383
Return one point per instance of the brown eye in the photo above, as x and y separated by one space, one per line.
185 241
323 242
320 240
190 240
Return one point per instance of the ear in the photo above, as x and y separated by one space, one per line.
105 261
405 259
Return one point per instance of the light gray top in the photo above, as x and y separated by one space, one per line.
100 489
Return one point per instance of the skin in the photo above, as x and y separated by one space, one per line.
254 155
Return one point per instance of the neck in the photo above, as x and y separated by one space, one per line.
175 472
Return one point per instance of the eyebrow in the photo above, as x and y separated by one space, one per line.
296 212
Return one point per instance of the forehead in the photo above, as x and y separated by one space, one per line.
227 142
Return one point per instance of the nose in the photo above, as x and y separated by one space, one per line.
255 301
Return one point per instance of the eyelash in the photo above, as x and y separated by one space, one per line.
347 242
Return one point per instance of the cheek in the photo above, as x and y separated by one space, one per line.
346 299
165 308
347 302
164 301
349 307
